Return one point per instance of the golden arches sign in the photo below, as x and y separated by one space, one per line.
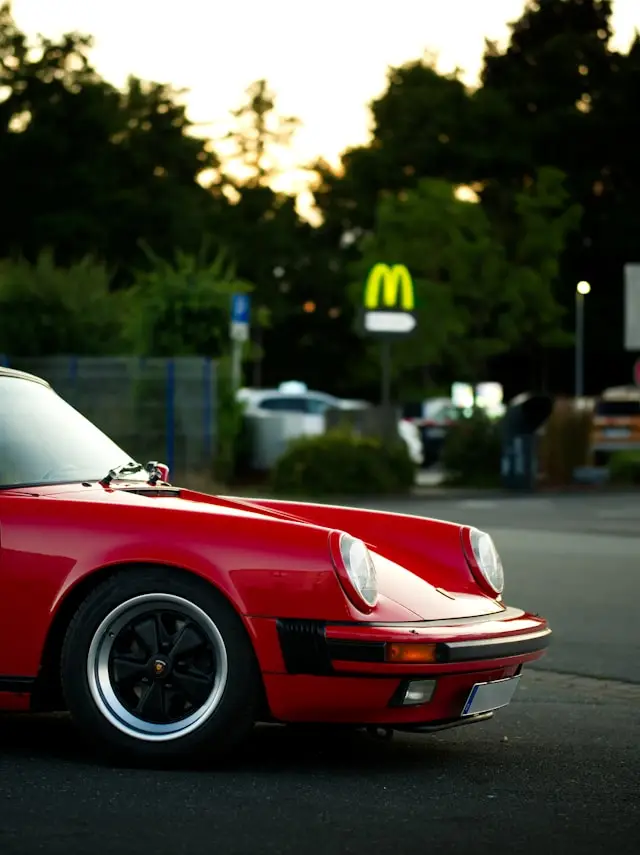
385 284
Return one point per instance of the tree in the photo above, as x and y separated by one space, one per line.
273 247
48 310
545 220
568 100
181 307
258 134
87 168
420 128
476 296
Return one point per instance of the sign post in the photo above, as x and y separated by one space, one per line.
389 312
632 306
239 333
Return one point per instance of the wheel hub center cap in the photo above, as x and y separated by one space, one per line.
159 667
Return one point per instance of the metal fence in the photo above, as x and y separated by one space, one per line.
156 409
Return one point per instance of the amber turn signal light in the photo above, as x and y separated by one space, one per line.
413 653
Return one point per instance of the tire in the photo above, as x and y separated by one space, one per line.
172 645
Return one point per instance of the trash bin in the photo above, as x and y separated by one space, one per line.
524 416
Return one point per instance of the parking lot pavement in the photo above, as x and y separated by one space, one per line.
599 513
556 772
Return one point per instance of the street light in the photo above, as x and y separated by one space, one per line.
582 289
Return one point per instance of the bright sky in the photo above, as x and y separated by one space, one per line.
325 60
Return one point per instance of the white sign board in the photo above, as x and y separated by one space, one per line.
239 331
392 323
632 306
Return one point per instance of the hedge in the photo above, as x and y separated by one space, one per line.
342 463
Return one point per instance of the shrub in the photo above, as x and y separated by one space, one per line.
624 467
472 450
340 462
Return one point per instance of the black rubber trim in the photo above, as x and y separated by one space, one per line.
17 684
472 651
356 651
306 649
304 646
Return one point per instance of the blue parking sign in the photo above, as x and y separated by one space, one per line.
240 308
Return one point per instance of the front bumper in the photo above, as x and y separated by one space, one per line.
317 671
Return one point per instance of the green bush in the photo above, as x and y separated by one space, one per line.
471 452
624 467
340 462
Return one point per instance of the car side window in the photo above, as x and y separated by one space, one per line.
317 406
284 404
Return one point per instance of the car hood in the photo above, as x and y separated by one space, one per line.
413 580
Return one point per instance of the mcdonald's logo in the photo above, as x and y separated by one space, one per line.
389 283
389 301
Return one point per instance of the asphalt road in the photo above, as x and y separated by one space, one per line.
557 771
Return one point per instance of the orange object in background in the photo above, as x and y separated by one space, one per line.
616 423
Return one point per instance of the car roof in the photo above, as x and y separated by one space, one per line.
257 394
22 375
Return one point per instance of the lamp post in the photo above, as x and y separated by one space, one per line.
582 289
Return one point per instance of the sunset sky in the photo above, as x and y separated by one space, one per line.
325 60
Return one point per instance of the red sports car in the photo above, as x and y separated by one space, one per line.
168 621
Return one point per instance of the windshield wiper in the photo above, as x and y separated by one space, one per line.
118 471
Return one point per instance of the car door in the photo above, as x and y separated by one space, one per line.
316 409
296 419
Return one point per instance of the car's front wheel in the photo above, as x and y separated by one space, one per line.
156 664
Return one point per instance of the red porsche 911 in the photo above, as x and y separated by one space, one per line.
168 622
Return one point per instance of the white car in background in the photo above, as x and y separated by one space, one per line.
294 397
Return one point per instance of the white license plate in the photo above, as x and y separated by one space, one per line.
485 697
617 433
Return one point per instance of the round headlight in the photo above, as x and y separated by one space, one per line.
360 568
487 559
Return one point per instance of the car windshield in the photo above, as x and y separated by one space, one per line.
44 440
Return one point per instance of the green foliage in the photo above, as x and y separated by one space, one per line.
181 307
544 218
471 452
476 297
49 310
342 463
624 468
229 427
